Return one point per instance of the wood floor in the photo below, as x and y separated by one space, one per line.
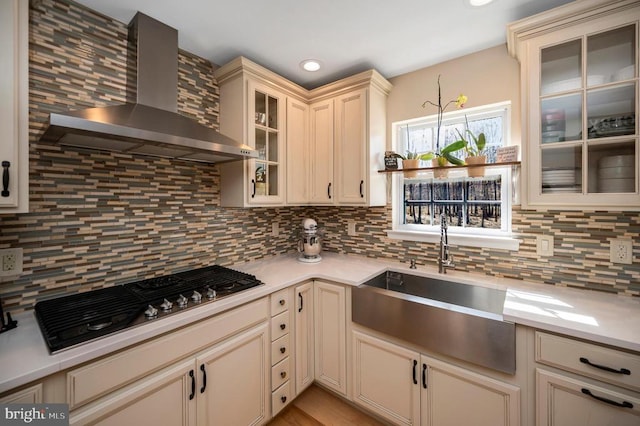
317 407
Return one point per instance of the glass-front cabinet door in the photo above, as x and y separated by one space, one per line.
583 115
266 135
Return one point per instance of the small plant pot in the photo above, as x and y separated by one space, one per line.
476 171
440 173
410 164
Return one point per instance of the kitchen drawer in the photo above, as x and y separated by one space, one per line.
280 301
564 401
609 365
280 349
280 373
279 325
281 397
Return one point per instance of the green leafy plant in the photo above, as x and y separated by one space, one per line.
473 146
446 154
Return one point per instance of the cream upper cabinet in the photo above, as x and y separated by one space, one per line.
322 182
254 112
14 104
298 152
579 80
330 140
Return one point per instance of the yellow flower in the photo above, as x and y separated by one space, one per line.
462 99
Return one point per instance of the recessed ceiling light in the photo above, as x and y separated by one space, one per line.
478 3
310 65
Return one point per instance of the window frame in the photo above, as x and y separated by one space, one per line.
476 237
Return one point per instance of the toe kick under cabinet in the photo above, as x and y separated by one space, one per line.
581 383
182 378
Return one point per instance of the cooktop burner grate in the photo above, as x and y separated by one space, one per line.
69 320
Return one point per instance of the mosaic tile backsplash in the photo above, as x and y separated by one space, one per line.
99 219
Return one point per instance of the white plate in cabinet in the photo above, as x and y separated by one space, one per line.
281 397
563 401
280 302
279 325
280 349
609 365
280 373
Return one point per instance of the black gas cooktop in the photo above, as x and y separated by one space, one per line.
71 320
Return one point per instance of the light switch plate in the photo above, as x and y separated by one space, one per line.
544 245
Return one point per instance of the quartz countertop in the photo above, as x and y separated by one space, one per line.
602 318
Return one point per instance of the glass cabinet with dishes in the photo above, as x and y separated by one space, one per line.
265 135
580 106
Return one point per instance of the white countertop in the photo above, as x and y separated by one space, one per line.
603 318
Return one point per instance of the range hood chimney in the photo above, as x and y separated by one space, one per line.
151 125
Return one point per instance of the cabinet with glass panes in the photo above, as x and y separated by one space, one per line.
254 113
580 105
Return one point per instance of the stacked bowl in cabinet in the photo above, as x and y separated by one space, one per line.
616 173
555 180
281 386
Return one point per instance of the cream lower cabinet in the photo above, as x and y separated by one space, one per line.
408 388
30 395
330 302
304 336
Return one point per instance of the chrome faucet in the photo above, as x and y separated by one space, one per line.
445 260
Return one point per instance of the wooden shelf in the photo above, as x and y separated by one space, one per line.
488 165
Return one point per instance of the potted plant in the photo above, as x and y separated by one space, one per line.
410 161
474 147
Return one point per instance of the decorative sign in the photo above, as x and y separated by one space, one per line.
390 160
507 154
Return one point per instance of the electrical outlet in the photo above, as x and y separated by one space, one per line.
351 228
10 262
621 251
275 229
544 245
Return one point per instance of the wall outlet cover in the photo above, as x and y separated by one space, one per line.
10 262
621 251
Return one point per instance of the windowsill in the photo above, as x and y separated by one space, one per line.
483 241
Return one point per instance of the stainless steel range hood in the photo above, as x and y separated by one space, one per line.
151 125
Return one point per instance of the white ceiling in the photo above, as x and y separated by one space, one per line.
347 36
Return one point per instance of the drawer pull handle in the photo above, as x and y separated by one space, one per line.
605 368
281 302
283 374
283 326
283 399
193 385
623 404
283 350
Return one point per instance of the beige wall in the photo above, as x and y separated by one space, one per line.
486 77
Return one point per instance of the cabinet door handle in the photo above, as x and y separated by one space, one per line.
283 399
253 192
415 379
193 385
204 378
361 189
301 302
623 404
329 190
283 326
605 368
424 376
5 178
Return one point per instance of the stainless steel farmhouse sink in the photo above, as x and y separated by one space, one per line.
460 320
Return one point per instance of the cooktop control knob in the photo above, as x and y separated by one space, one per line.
166 305
211 293
182 301
151 312
196 297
